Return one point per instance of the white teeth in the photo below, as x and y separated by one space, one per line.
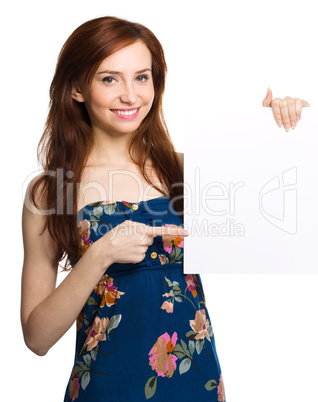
125 113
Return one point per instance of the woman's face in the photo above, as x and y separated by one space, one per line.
121 93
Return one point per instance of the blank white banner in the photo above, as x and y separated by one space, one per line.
251 198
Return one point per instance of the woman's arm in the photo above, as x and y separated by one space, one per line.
47 313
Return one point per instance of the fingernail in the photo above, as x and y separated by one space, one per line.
280 123
286 125
297 118
293 124
184 232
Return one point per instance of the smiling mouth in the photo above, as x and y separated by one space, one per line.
125 112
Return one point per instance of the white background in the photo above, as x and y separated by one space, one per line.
221 57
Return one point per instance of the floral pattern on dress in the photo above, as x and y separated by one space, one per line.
74 386
98 332
166 351
84 233
108 291
221 391
200 325
192 283
162 359
172 353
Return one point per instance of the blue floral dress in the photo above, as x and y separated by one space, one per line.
144 332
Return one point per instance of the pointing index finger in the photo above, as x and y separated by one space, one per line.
168 230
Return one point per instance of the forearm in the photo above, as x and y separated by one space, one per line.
51 319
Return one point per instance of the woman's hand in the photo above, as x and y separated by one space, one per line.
128 242
286 111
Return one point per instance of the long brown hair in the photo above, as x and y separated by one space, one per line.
67 138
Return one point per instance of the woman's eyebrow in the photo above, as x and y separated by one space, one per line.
119 73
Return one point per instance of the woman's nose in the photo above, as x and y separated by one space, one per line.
128 95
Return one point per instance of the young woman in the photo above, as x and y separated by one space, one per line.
111 201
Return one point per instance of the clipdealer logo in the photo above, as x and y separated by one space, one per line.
288 222
224 202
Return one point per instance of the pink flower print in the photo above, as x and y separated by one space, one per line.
86 239
74 387
161 358
96 332
108 291
221 391
200 325
169 240
168 306
84 233
192 283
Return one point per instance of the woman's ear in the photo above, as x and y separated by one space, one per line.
77 93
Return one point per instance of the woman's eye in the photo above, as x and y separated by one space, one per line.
108 80
142 78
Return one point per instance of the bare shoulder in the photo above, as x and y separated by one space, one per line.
28 202
181 157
